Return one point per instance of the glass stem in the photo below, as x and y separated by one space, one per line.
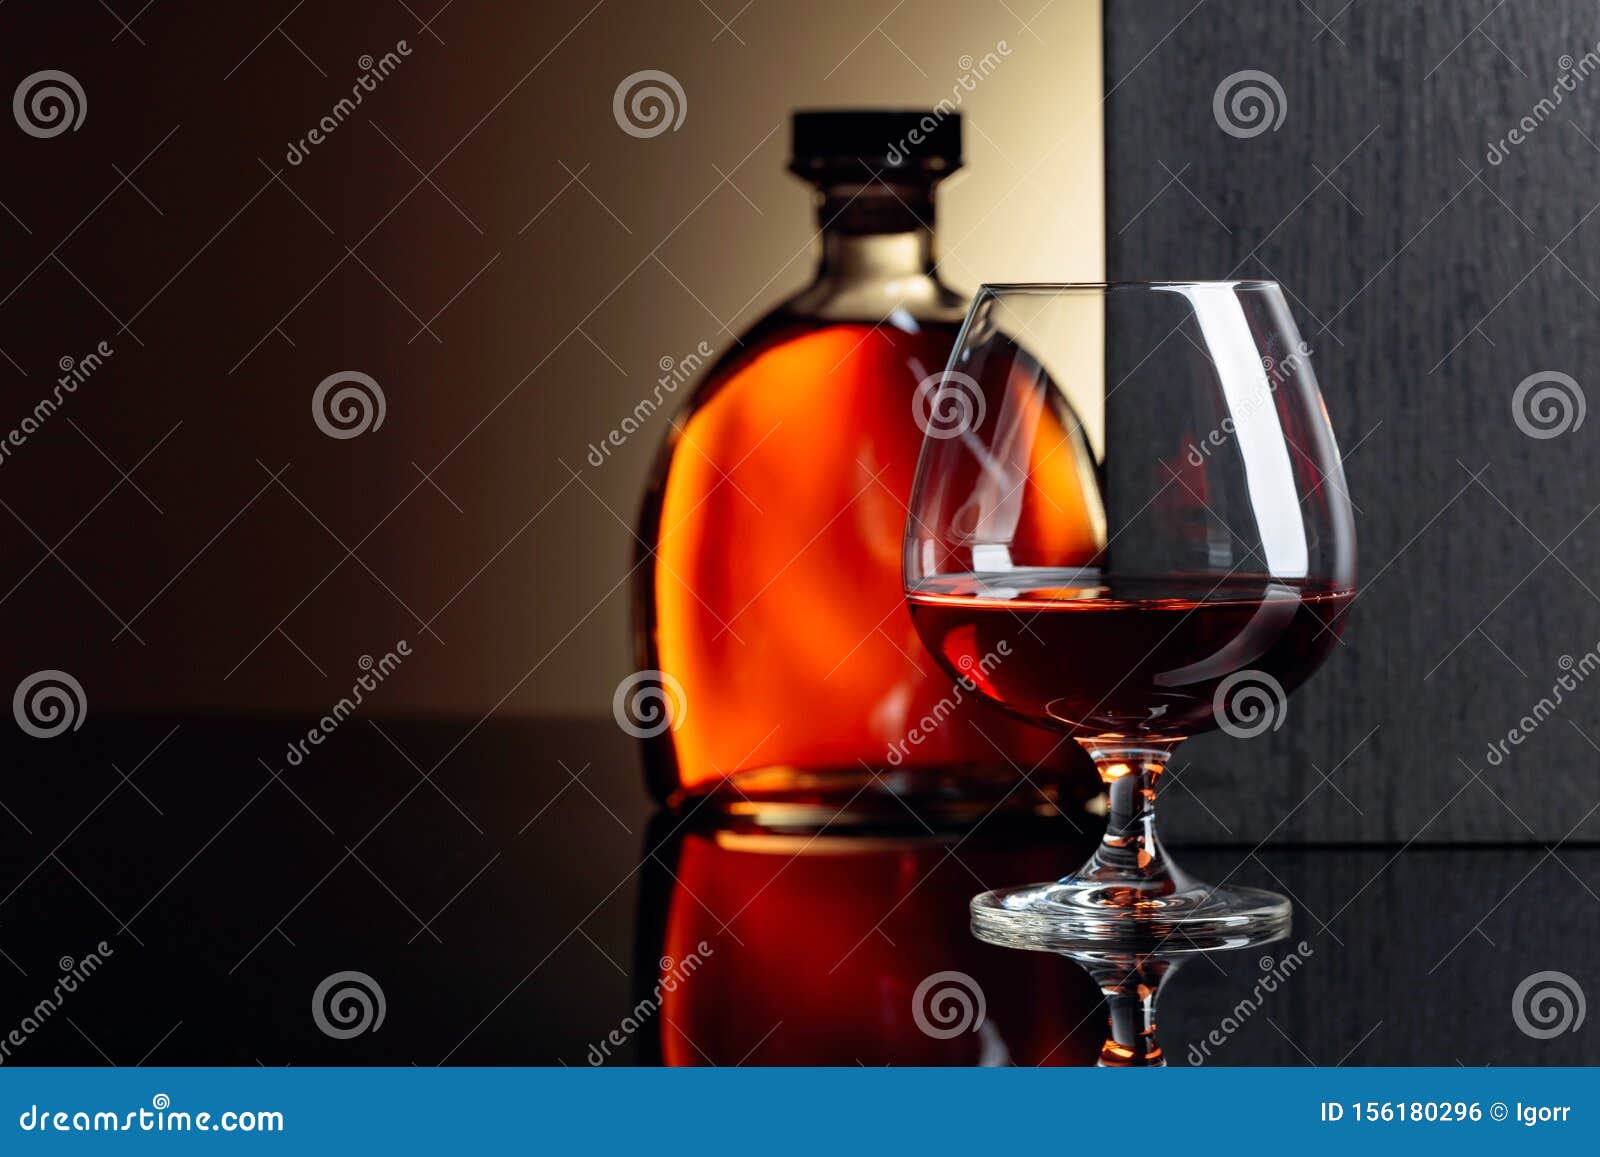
1130 987
1130 851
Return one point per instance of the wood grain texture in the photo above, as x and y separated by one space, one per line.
1430 283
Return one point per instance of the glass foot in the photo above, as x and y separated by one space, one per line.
1089 914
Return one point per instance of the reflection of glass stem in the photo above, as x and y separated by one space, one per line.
1130 985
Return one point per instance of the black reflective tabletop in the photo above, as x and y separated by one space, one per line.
176 891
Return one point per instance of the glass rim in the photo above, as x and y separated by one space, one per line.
996 288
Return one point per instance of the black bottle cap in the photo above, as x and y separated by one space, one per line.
833 144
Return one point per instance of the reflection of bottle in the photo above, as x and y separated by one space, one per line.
839 950
770 583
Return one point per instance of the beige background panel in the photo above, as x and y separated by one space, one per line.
481 238
1028 206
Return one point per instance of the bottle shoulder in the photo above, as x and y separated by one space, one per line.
785 349
921 298
817 364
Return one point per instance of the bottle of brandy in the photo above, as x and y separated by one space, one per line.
769 587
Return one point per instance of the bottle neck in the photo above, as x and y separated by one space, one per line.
876 232
876 256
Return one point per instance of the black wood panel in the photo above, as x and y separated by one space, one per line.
1432 279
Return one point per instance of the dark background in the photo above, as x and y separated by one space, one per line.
484 188
1429 284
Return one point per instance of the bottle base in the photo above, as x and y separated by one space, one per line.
796 798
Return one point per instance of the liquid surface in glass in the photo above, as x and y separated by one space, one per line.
1126 657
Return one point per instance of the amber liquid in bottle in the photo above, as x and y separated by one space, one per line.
770 581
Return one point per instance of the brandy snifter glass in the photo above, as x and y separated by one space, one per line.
1225 562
